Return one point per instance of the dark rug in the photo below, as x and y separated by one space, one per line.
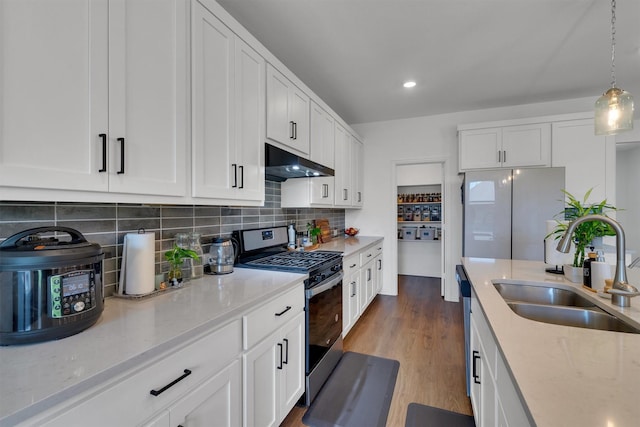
428 416
357 394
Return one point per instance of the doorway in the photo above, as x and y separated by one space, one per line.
420 196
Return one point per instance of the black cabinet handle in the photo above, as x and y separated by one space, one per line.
379 264
476 377
121 141
241 176
504 156
353 289
499 156
235 175
280 345
286 351
295 130
291 129
325 191
171 384
345 194
352 265
283 311
103 136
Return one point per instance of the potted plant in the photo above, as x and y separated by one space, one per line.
176 256
584 233
314 233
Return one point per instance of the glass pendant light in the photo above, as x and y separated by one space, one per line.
614 109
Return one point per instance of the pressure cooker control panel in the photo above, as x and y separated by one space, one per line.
71 293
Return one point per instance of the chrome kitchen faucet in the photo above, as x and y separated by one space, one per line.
621 291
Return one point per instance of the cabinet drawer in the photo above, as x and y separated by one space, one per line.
129 401
368 255
272 315
351 264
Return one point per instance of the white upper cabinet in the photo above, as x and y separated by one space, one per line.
100 106
343 166
147 96
228 112
589 160
507 146
287 113
54 92
357 172
322 140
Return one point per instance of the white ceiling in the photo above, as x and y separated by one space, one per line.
463 54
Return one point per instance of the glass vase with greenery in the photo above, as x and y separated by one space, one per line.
176 256
586 232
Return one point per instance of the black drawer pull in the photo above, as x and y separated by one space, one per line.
280 366
171 384
121 141
103 136
476 377
286 351
283 311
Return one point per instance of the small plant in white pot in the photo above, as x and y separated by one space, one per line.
584 233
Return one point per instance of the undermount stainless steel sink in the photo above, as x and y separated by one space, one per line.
542 295
591 318
560 307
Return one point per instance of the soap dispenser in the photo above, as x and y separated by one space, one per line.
291 234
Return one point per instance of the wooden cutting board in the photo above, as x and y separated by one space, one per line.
324 229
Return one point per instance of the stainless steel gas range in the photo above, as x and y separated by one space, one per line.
265 248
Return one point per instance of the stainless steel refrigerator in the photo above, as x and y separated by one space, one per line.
505 211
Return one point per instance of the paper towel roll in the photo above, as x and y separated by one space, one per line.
551 255
137 273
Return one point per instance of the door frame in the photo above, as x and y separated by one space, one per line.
445 243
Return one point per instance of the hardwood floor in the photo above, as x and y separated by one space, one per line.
425 334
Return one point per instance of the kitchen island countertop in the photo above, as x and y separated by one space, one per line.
566 376
35 377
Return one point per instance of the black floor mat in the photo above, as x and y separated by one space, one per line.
358 393
428 416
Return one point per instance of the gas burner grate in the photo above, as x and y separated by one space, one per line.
304 260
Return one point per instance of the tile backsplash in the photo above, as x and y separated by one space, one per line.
106 224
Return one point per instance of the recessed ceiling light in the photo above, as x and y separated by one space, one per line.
409 84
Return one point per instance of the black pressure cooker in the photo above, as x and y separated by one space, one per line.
50 287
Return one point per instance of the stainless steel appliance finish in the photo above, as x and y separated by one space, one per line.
50 288
222 256
281 165
465 292
505 211
265 248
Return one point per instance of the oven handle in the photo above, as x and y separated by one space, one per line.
310 293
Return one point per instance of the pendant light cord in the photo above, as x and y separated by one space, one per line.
613 43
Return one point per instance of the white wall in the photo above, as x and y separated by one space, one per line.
424 139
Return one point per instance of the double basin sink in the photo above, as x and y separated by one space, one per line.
560 307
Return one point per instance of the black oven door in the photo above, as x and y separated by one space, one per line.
324 318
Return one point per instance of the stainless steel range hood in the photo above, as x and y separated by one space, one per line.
281 165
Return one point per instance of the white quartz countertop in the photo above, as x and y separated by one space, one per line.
129 332
567 376
349 245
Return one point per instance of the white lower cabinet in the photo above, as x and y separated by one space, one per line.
274 375
362 282
494 398
147 392
217 401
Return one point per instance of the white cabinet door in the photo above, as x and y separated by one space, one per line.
368 279
343 167
321 136
479 148
261 389
212 106
287 113
379 272
274 375
357 172
249 121
217 401
352 303
526 145
147 97
589 160
54 92
228 112
322 190
292 375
